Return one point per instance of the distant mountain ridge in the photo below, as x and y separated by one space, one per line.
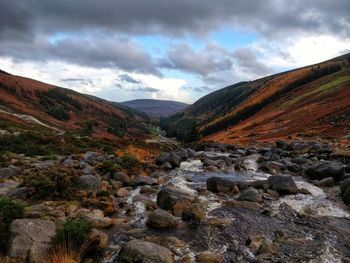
156 108
309 101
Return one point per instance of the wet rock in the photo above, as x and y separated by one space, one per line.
208 162
162 158
174 159
299 160
6 173
268 247
326 182
274 167
221 185
324 169
166 166
144 180
97 219
209 257
281 144
250 194
182 153
174 199
224 158
148 190
90 182
283 184
136 251
345 191
195 212
121 177
290 166
97 239
122 192
161 219
30 239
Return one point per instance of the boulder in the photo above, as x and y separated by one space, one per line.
6 173
122 192
209 257
162 158
121 177
136 251
345 191
44 164
195 212
97 219
324 169
326 182
144 180
174 199
92 157
283 184
161 219
174 159
90 182
274 167
30 239
224 158
8 186
98 239
249 194
18 193
223 185
208 162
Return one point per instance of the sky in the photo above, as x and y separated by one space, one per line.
164 49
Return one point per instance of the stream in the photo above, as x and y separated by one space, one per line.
305 227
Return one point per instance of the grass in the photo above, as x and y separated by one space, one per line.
339 82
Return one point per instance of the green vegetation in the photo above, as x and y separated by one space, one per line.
129 162
9 211
117 126
335 83
108 167
58 102
53 183
74 232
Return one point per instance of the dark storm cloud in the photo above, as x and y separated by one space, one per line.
97 31
248 61
174 17
211 59
129 79
98 52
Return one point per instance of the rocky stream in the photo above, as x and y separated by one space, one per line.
228 204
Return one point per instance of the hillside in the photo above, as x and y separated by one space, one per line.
156 108
308 101
30 105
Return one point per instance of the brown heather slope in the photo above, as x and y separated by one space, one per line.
67 110
307 102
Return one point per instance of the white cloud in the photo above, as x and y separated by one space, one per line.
101 82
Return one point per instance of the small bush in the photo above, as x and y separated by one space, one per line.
129 161
56 183
74 232
103 193
9 211
108 166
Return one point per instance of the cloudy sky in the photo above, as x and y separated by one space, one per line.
165 49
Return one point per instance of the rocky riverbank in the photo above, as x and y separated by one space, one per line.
277 202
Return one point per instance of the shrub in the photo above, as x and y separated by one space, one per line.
108 166
9 211
128 161
74 232
56 183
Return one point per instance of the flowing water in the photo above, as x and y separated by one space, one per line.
191 176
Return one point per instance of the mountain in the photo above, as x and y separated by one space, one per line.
156 108
46 108
309 101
